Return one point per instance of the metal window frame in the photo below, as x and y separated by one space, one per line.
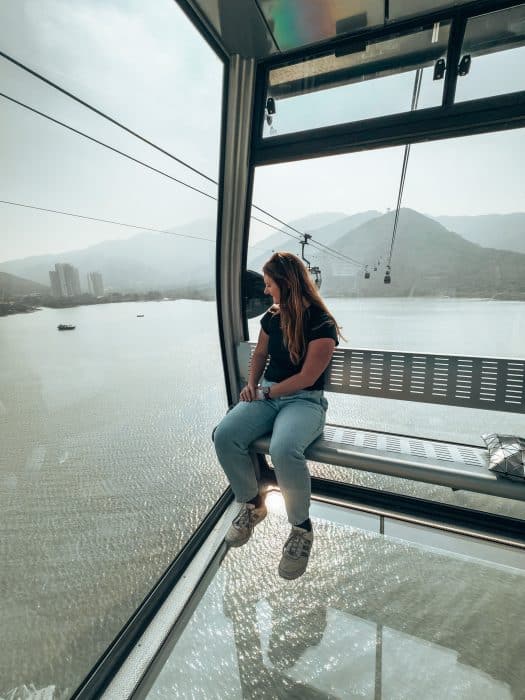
447 121
391 28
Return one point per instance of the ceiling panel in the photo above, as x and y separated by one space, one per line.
239 26
261 28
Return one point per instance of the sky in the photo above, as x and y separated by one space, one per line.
144 64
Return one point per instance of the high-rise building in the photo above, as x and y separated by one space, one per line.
55 283
65 280
95 284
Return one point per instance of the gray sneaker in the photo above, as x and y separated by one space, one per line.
242 526
296 551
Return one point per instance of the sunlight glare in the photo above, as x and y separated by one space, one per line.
275 502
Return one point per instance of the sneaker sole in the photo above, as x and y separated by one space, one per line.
290 576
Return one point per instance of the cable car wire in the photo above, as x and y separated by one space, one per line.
102 114
126 155
105 145
135 160
342 256
415 98
105 221
119 223
114 121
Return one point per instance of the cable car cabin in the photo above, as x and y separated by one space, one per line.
378 133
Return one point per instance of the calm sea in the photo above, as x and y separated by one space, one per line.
106 462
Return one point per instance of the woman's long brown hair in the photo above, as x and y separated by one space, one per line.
298 291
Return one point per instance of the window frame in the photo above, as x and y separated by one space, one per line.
448 120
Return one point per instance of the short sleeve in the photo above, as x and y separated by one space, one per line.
323 327
265 322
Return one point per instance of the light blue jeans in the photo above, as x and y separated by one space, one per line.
295 421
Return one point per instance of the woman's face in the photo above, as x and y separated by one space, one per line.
271 288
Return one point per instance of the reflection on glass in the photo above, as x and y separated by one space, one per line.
374 617
370 79
296 24
495 44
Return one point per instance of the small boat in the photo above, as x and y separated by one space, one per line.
66 327
140 315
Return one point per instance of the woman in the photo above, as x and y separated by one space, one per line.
299 334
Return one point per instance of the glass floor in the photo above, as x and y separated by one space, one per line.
385 610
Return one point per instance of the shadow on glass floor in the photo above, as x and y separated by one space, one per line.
373 617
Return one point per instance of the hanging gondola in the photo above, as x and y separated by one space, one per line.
317 276
315 272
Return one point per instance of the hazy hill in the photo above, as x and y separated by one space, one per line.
11 286
502 231
144 262
326 229
428 260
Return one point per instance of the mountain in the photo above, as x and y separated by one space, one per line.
502 231
144 262
325 229
11 286
428 260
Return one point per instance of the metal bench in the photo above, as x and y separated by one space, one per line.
452 380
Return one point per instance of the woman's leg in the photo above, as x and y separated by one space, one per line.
233 436
299 422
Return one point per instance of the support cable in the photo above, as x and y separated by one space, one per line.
415 97
102 114
105 145
135 160
120 223
105 221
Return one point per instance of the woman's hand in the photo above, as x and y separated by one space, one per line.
249 393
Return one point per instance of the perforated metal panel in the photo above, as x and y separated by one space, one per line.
408 447
454 380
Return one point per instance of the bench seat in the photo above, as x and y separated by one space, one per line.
459 467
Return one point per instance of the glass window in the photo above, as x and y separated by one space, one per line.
457 266
399 9
369 619
370 79
106 461
494 46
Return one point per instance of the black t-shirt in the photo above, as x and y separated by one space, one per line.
317 324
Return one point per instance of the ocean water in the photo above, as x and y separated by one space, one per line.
106 461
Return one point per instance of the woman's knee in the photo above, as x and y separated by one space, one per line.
228 434
285 453
223 435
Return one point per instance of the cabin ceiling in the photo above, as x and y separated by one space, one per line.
261 28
